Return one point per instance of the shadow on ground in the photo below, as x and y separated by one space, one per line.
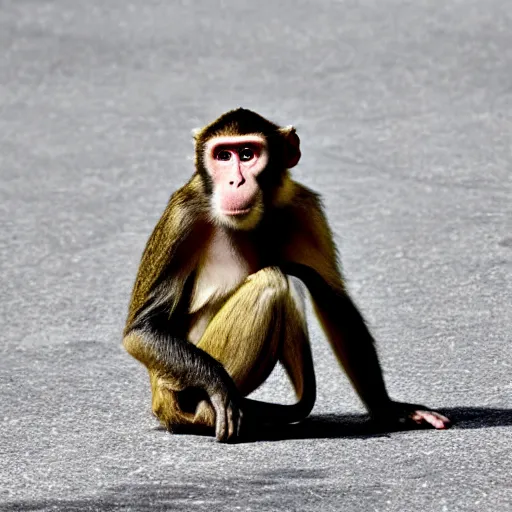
209 494
358 425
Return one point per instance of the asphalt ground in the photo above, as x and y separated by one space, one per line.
405 114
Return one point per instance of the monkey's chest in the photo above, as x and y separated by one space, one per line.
223 267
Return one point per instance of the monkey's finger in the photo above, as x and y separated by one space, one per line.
220 417
220 428
433 418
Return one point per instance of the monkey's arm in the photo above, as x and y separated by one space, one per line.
348 334
154 333
315 263
355 349
178 365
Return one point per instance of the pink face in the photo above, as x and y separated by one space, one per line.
234 163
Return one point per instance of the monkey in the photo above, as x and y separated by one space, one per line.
217 300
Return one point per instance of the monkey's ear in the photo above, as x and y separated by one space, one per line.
291 146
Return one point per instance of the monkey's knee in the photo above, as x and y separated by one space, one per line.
269 277
270 287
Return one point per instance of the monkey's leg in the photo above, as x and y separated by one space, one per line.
272 326
245 336
296 354
164 403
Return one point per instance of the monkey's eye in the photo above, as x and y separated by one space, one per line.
224 155
246 154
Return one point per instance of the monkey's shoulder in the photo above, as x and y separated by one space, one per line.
298 198
184 215
188 203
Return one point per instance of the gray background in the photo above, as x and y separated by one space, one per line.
405 113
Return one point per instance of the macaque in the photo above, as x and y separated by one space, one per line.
216 303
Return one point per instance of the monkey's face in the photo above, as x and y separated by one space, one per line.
234 163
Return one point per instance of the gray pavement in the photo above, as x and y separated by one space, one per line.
405 114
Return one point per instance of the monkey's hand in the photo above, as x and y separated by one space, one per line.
401 414
225 401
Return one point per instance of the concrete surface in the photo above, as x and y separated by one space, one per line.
405 113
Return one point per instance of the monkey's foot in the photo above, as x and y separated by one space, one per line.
406 415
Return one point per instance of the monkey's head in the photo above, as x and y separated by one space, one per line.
243 160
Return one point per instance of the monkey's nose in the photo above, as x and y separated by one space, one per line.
238 183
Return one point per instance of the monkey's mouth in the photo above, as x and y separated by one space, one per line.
239 212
